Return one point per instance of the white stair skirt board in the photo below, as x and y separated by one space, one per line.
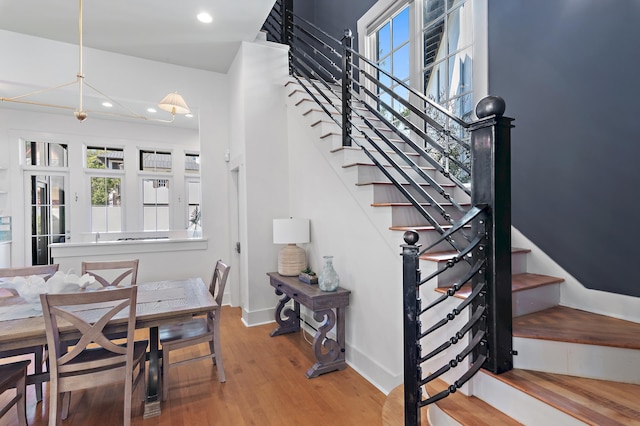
437 417
574 359
518 405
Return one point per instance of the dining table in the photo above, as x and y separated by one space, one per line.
158 303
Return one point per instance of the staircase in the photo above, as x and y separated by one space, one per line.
572 366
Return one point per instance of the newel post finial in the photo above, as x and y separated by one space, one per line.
490 105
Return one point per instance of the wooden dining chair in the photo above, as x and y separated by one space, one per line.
197 331
112 273
14 375
94 360
46 272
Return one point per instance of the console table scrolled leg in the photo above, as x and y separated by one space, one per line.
291 321
330 354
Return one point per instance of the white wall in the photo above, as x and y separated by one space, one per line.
123 78
283 172
259 157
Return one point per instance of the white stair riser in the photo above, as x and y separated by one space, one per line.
535 299
453 274
409 215
574 359
369 173
430 236
391 194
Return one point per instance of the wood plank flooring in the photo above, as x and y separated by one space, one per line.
266 385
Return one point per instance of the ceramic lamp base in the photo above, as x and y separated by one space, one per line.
291 260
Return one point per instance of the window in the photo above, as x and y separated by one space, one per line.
45 154
192 163
106 204
105 187
155 195
105 158
192 168
193 203
155 161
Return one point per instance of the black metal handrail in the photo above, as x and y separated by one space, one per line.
347 87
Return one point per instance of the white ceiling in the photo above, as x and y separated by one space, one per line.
159 30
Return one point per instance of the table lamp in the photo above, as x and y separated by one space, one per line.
291 259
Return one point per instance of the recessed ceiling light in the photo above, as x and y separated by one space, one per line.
205 18
189 115
151 110
107 104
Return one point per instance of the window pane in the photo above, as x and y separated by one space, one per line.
156 204
383 40
57 190
400 26
459 27
105 158
106 204
193 192
383 77
434 82
460 67
433 42
45 154
192 163
401 62
57 155
432 10
155 161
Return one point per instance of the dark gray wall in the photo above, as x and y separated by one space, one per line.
569 73
334 16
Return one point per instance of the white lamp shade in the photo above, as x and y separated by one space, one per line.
174 103
291 231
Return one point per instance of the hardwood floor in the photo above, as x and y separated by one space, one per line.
266 385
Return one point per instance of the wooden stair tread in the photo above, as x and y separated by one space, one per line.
468 410
561 323
594 402
393 409
443 256
519 282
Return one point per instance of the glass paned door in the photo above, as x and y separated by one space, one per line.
48 214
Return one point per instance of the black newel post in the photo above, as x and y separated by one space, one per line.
491 183
410 282
347 77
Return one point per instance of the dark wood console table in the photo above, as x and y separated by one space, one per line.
330 354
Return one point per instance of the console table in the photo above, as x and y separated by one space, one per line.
329 353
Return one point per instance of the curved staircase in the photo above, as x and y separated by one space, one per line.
572 366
